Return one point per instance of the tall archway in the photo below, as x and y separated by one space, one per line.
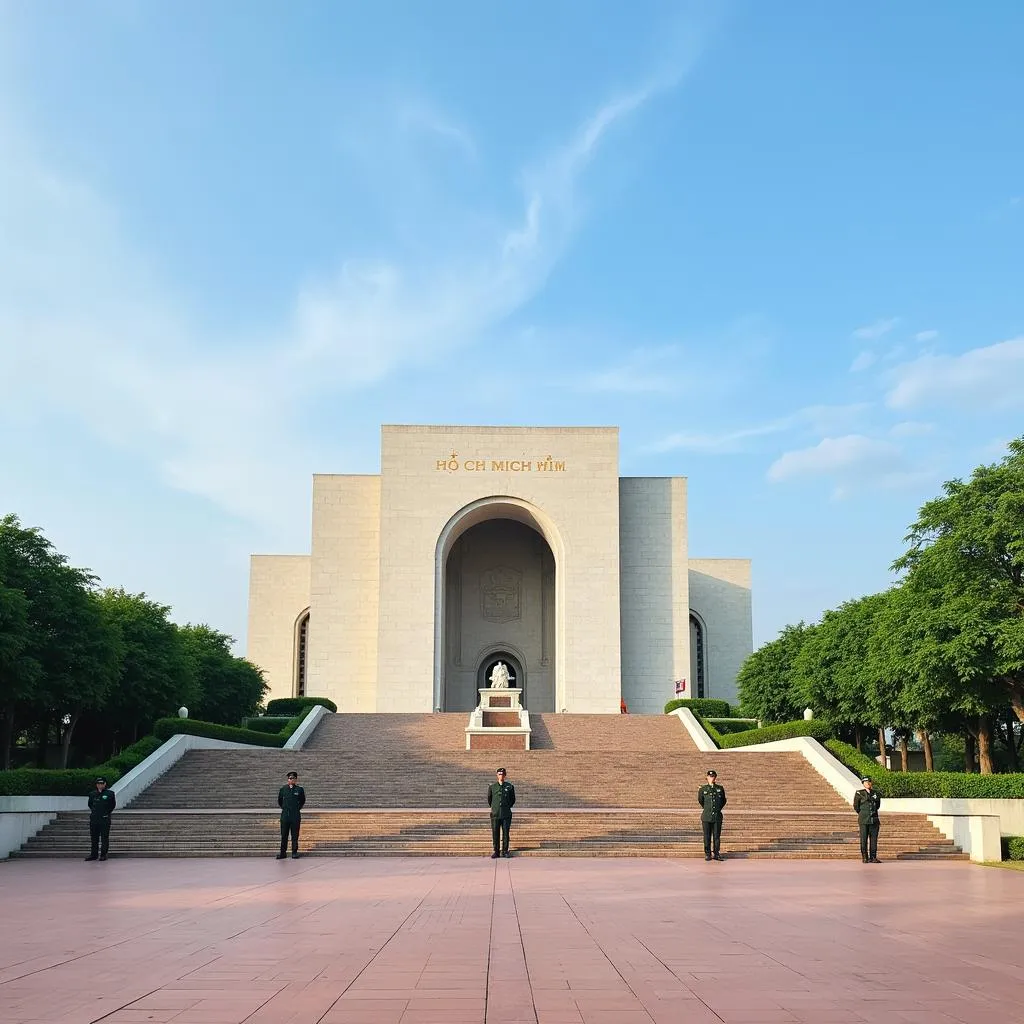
698 656
301 656
497 592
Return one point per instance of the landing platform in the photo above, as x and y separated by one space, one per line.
411 941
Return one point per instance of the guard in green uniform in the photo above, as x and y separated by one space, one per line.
711 797
501 798
865 803
291 798
101 805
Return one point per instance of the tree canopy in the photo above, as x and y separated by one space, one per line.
99 666
942 650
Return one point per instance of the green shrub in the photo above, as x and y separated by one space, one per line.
1013 847
165 728
75 781
131 756
729 738
291 706
705 706
265 724
727 726
949 785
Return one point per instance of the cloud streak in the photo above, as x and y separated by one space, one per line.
982 379
814 418
121 355
876 330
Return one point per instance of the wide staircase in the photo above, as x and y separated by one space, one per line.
593 785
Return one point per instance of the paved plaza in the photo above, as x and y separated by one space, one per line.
553 941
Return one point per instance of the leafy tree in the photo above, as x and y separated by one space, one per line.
228 688
768 684
79 672
156 676
18 670
964 614
49 647
836 673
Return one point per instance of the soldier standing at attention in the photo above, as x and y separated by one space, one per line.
101 805
711 797
865 803
501 797
291 798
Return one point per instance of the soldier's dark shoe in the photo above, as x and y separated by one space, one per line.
864 860
506 854
875 860
718 856
103 856
92 857
295 856
280 856
707 856
494 856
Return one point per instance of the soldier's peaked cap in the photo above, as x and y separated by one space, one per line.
713 773
99 778
500 771
865 778
292 775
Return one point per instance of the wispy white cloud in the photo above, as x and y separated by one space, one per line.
852 462
911 428
926 335
419 116
88 328
876 330
644 371
837 454
812 418
986 378
863 361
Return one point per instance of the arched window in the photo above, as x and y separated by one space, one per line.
301 653
698 656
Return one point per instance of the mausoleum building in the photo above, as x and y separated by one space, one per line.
523 545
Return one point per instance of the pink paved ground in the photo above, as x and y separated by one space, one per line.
550 941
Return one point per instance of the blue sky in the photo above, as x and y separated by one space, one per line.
780 245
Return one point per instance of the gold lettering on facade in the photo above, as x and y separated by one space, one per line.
545 465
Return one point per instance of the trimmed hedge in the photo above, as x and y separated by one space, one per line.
815 728
74 781
727 727
291 706
265 724
951 785
701 706
165 728
1013 847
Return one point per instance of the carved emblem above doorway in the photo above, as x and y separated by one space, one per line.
501 595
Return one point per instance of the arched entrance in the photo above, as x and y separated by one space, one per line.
698 656
497 598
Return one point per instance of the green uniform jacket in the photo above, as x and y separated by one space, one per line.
101 805
712 799
291 800
866 806
501 798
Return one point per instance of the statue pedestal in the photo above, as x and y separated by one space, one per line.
499 722
508 699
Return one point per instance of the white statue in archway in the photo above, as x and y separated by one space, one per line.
499 676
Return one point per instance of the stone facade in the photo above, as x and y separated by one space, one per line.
518 543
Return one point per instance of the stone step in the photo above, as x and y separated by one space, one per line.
403 785
446 833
